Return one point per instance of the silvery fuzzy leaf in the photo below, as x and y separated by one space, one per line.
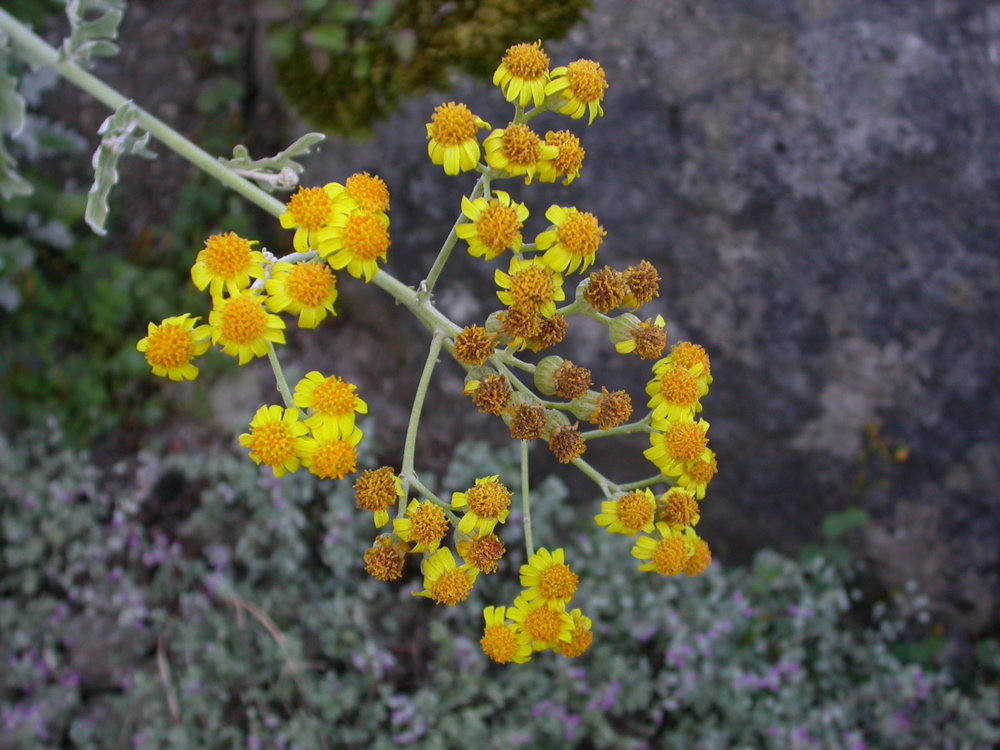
89 39
279 172
121 135
12 109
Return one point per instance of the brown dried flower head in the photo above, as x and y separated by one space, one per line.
482 552
605 290
643 284
527 421
551 331
384 560
571 381
613 408
566 443
473 345
650 339
491 395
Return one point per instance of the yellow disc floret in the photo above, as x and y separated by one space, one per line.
242 327
667 555
170 346
227 262
275 438
629 514
517 150
333 401
581 636
530 285
582 85
502 642
307 289
572 242
451 135
331 456
547 578
523 73
425 525
487 501
495 225
368 192
376 491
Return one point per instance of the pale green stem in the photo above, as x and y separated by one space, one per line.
529 545
410 446
598 316
35 49
603 482
577 306
425 312
427 285
641 426
279 376
640 483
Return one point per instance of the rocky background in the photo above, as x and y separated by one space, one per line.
817 181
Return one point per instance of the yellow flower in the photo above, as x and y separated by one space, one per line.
678 509
696 474
362 192
227 261
170 346
451 135
495 225
523 73
275 439
546 627
700 559
518 150
646 338
487 502
377 491
308 211
667 555
242 327
425 525
677 446
501 642
629 514
568 162
530 285
581 638
333 402
675 393
582 86
444 582
573 240
330 455
355 242
307 289
547 579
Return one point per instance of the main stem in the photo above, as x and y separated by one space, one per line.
37 50
410 446
529 545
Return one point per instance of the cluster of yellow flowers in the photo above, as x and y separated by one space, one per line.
347 226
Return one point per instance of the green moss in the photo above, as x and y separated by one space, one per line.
346 80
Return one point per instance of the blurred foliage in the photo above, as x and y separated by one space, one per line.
345 65
193 601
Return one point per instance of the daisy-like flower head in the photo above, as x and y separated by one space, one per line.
582 86
546 627
675 393
424 525
547 578
573 240
487 501
696 474
681 443
452 138
517 150
378 490
523 73
242 327
643 282
473 345
503 642
362 192
309 210
691 357
519 326
490 395
482 551
629 514
700 559
331 455
606 409
305 289
570 381
384 560
581 636
605 290
667 555
678 509
170 346
568 162
566 443
495 225
333 402
227 261
276 439
645 338
445 582
355 241
530 285
525 420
